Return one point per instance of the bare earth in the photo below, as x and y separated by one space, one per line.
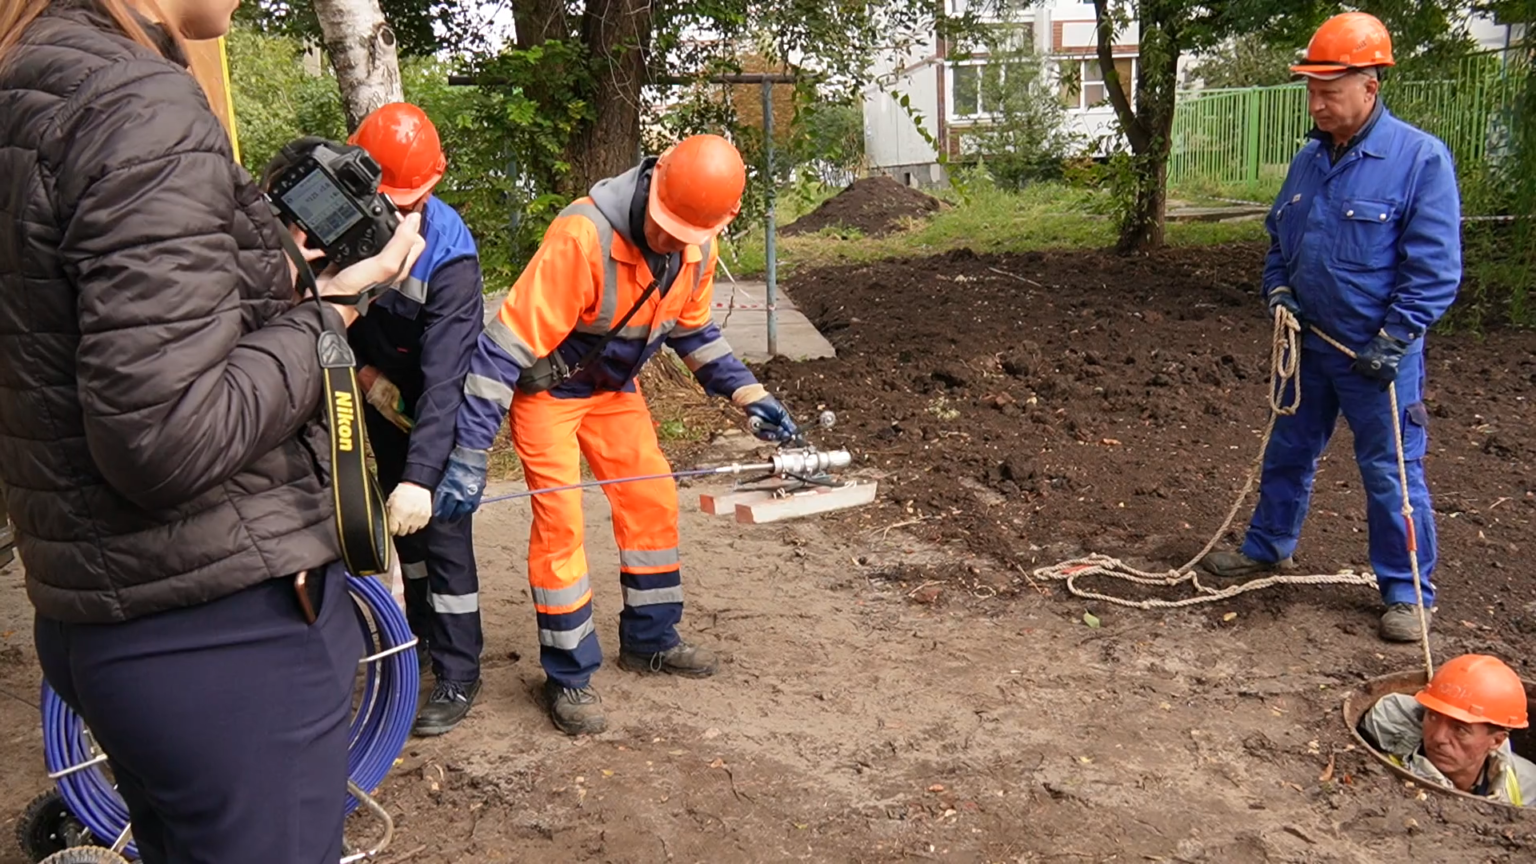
894 688
854 723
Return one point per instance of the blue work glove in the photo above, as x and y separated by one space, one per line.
769 421
1379 360
458 495
1283 296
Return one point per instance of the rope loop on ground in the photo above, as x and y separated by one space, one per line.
1284 377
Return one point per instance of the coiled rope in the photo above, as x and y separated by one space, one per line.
1285 363
380 724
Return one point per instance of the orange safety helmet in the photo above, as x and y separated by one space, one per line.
405 144
696 188
1347 41
1477 688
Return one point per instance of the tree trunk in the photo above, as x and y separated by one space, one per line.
362 49
1148 125
612 34
613 31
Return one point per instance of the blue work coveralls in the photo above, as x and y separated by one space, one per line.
421 338
1368 241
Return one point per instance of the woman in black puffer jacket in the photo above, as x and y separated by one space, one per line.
160 445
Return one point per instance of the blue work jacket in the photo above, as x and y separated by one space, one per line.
1372 243
422 335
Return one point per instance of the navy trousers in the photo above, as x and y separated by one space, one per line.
442 584
224 724
1329 387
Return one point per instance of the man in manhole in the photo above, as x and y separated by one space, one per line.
1455 732
1366 253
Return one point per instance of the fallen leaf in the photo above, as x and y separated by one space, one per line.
1229 616
937 787
1086 760
1091 620
607 773
718 763
1110 442
1327 772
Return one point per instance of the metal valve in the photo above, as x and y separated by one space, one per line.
807 462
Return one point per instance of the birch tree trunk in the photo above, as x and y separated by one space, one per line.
363 51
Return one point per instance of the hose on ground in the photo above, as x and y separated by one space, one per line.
381 722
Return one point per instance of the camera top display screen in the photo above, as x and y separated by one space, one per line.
323 207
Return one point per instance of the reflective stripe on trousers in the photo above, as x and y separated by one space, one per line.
615 433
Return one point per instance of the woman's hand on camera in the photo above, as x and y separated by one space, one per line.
390 266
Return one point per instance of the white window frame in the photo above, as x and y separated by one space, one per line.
1082 60
951 103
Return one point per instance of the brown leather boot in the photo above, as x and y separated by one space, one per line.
689 661
1235 565
574 710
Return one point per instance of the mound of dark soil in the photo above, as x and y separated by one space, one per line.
873 206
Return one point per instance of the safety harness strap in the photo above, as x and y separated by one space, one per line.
360 524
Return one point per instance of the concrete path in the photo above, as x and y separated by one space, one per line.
741 311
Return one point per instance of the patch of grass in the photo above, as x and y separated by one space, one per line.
989 219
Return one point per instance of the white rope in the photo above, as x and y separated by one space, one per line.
1285 357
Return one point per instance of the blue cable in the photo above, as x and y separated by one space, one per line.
378 732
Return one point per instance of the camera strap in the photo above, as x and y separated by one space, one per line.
360 515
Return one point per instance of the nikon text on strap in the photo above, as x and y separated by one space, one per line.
360 515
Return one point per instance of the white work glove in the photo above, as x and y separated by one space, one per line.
409 507
384 396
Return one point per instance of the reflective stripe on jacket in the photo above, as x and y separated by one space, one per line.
1370 243
422 335
585 277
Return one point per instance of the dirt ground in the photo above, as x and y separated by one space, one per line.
894 689
873 206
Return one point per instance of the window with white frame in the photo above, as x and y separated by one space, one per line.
1082 82
975 89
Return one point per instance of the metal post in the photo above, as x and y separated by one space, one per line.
768 238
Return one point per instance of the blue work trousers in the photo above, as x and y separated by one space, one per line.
442 583
225 723
1329 386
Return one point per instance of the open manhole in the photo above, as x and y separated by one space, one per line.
1363 698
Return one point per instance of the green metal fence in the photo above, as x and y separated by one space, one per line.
1240 141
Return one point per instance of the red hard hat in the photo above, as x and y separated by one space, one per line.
696 188
405 144
1477 688
1349 40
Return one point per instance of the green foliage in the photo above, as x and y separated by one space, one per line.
413 22
1026 137
276 100
1249 60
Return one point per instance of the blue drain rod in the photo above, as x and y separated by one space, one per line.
379 729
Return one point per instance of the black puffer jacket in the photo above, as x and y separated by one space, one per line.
159 390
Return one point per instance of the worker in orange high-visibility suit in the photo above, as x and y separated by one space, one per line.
641 246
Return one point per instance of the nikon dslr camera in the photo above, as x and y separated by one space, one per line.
331 192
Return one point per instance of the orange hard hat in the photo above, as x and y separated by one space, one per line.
1477 688
1350 40
696 188
405 144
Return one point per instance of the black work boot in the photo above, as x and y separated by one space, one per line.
574 710
449 703
1235 565
689 661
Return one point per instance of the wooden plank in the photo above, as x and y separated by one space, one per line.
724 503
808 502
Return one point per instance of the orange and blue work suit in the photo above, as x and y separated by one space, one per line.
586 275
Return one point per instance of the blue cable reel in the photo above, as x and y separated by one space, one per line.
381 723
